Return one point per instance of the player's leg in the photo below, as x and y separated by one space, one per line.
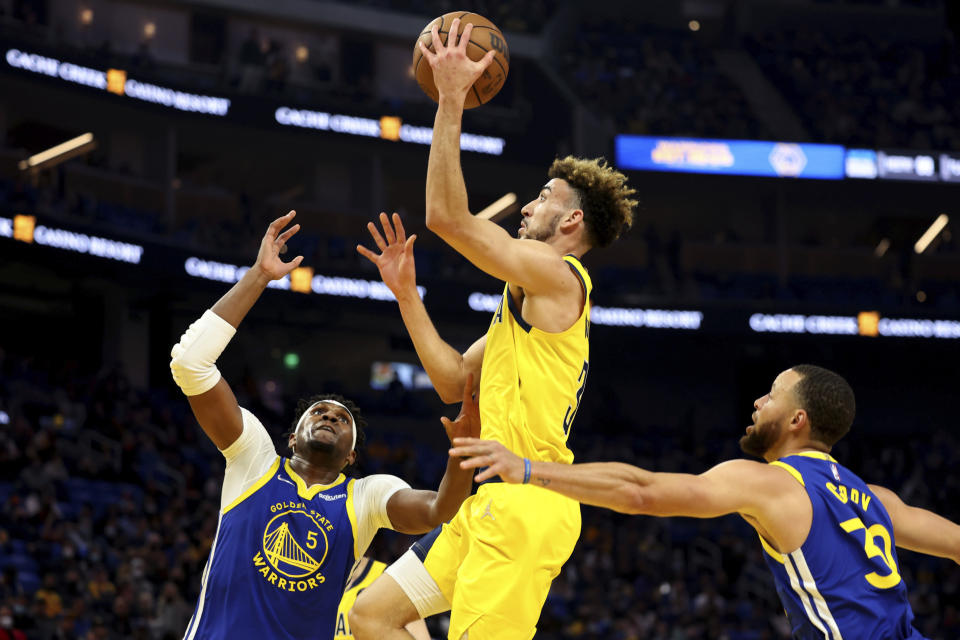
520 538
381 611
407 590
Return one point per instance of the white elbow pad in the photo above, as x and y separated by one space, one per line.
193 359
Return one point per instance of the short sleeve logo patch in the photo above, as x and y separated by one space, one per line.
294 547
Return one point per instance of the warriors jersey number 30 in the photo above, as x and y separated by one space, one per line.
843 583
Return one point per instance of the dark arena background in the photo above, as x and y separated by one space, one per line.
798 170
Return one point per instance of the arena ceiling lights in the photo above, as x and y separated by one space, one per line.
59 153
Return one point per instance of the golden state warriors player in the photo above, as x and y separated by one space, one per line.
364 573
493 564
829 538
290 529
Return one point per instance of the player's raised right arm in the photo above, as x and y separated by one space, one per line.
447 367
919 529
527 263
193 359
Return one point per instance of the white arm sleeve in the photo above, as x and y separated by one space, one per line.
370 497
248 458
193 359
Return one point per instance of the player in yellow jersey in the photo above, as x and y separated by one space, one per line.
492 565
362 576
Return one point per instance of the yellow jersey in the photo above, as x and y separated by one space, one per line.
357 584
531 381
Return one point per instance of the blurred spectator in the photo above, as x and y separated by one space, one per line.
654 81
278 67
8 629
862 90
173 613
51 604
252 63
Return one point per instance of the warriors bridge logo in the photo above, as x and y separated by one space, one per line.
295 545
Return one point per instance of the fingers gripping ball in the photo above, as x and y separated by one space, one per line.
485 36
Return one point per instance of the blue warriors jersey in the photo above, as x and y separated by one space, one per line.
279 561
844 582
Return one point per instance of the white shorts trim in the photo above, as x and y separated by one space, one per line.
418 585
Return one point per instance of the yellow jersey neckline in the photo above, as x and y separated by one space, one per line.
302 489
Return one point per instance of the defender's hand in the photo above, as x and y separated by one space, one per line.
453 72
268 258
395 261
467 422
499 460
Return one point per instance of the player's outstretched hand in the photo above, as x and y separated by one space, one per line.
499 460
453 71
467 422
395 261
268 259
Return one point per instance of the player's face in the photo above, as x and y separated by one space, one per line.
771 416
542 215
325 427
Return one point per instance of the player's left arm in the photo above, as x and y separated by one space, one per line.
919 529
418 511
730 487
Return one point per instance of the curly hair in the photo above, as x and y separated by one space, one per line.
828 401
305 403
602 194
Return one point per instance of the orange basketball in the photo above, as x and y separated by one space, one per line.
485 36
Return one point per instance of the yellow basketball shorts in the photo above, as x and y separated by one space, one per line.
495 560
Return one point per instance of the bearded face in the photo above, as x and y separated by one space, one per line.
772 413
541 230
760 437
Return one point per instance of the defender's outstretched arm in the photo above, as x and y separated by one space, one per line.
193 359
919 529
734 486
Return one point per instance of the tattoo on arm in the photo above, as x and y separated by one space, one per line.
543 481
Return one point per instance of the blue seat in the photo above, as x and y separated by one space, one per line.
22 563
30 581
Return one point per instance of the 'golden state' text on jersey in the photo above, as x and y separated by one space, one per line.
279 561
843 583
532 381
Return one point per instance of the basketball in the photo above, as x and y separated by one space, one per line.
485 36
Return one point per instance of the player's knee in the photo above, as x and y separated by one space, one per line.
362 624
365 619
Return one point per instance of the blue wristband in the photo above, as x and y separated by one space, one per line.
527 469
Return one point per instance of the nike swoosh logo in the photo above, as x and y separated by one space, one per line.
285 480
